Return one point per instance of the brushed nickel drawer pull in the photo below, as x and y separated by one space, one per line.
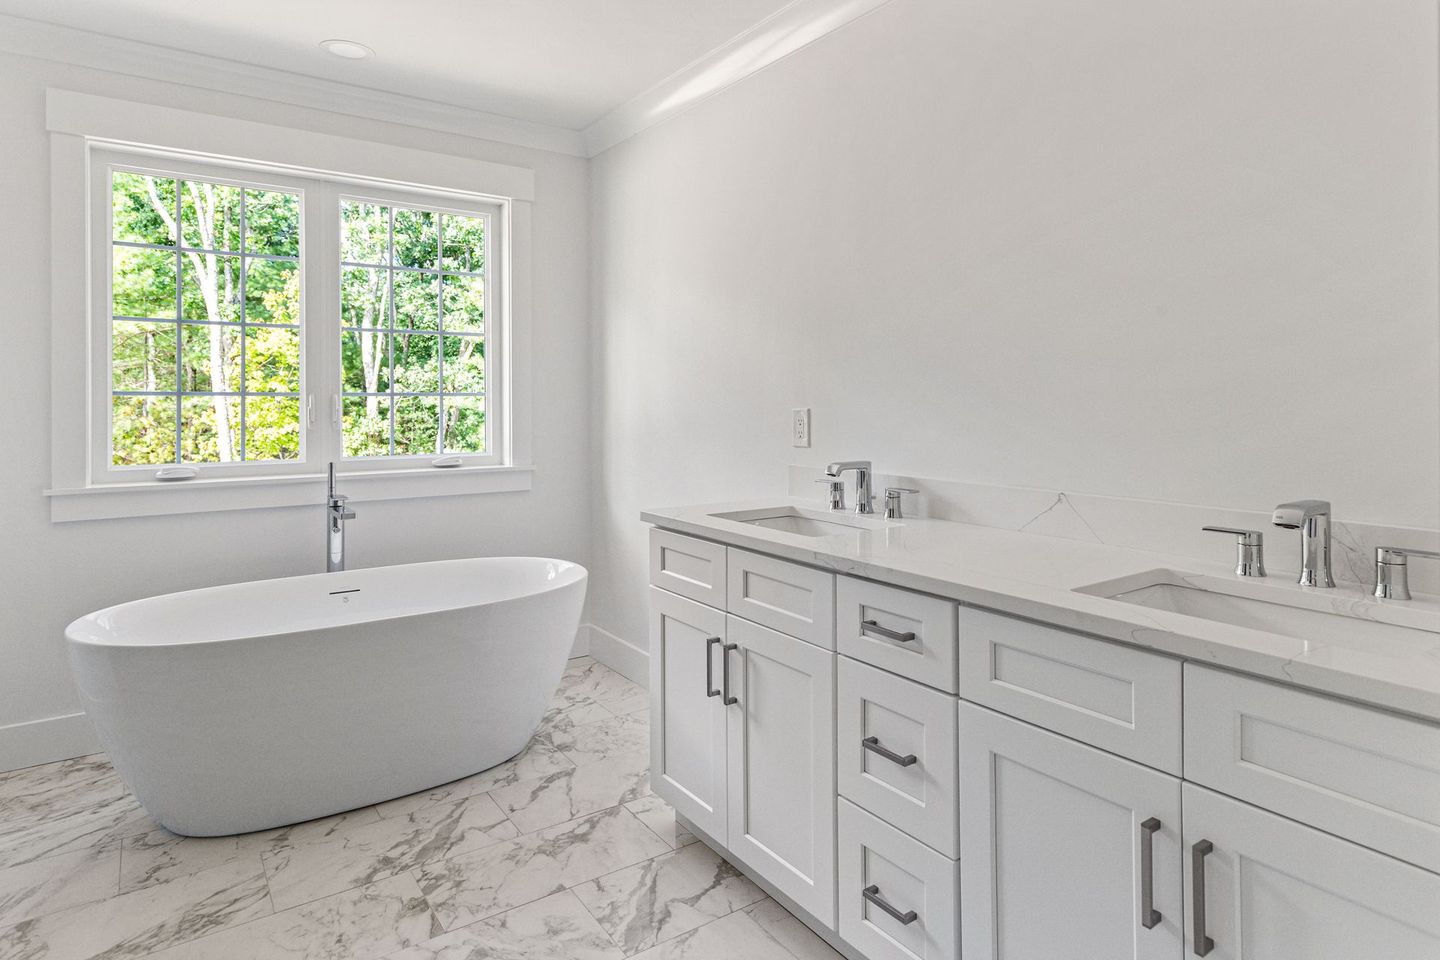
1149 916
873 745
872 894
872 629
1198 853
710 690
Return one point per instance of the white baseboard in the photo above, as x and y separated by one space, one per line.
620 655
581 646
44 741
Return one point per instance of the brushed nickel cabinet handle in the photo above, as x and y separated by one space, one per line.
1149 916
873 745
872 629
710 690
872 894
725 673
1198 853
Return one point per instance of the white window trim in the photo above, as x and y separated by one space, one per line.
79 124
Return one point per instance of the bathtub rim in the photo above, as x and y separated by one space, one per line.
83 631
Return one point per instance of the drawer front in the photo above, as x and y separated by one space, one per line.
906 721
687 566
1362 774
906 633
783 596
905 874
1113 697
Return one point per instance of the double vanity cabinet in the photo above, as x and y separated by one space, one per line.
930 779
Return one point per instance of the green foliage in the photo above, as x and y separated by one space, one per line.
383 358
208 332
246 419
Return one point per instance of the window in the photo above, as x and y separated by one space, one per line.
258 323
412 347
205 362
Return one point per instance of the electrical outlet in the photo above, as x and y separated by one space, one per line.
800 427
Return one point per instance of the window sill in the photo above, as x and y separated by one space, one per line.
157 498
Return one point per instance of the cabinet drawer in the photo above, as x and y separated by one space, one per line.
784 596
687 566
909 721
1360 773
905 874
906 633
1113 697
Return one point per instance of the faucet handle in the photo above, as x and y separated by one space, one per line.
836 491
892 502
1249 550
1392 572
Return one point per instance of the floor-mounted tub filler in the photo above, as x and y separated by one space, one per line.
242 707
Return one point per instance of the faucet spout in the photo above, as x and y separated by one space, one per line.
864 502
1312 519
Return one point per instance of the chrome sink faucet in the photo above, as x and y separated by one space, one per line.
336 513
1312 519
864 502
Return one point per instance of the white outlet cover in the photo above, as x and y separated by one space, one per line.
800 427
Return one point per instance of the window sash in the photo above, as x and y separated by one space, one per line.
322 391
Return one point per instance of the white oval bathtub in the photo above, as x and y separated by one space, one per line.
252 705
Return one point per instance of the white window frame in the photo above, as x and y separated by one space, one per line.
89 133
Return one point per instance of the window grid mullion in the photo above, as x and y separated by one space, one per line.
440 328
244 337
179 329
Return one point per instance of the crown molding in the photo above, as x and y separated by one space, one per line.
788 30
46 41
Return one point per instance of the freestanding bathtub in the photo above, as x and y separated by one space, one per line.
242 707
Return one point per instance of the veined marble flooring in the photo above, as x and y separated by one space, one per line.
561 853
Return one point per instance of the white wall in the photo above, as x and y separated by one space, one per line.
51 573
1162 249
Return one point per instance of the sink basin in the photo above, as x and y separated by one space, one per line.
1339 616
803 522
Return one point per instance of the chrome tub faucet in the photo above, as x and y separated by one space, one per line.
336 513
1312 519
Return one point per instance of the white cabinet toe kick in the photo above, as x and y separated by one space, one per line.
919 778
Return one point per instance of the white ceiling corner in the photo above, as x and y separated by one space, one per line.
575 108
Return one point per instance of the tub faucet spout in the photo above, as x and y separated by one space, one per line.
336 513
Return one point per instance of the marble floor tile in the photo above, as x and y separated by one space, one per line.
563 715
92 815
538 759
659 816
555 928
55 788
628 705
506 875
55 883
662 898
575 791
729 938
790 932
139 923
596 683
160 855
361 924
309 869
604 739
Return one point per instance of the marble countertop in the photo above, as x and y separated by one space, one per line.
1038 577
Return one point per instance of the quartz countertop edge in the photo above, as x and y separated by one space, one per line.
1033 576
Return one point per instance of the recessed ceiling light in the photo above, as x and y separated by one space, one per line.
348 49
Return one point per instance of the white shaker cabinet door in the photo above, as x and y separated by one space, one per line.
782 763
687 713
1261 887
1065 850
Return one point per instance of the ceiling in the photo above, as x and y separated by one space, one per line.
566 63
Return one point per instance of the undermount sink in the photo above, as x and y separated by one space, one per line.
805 523
1335 616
